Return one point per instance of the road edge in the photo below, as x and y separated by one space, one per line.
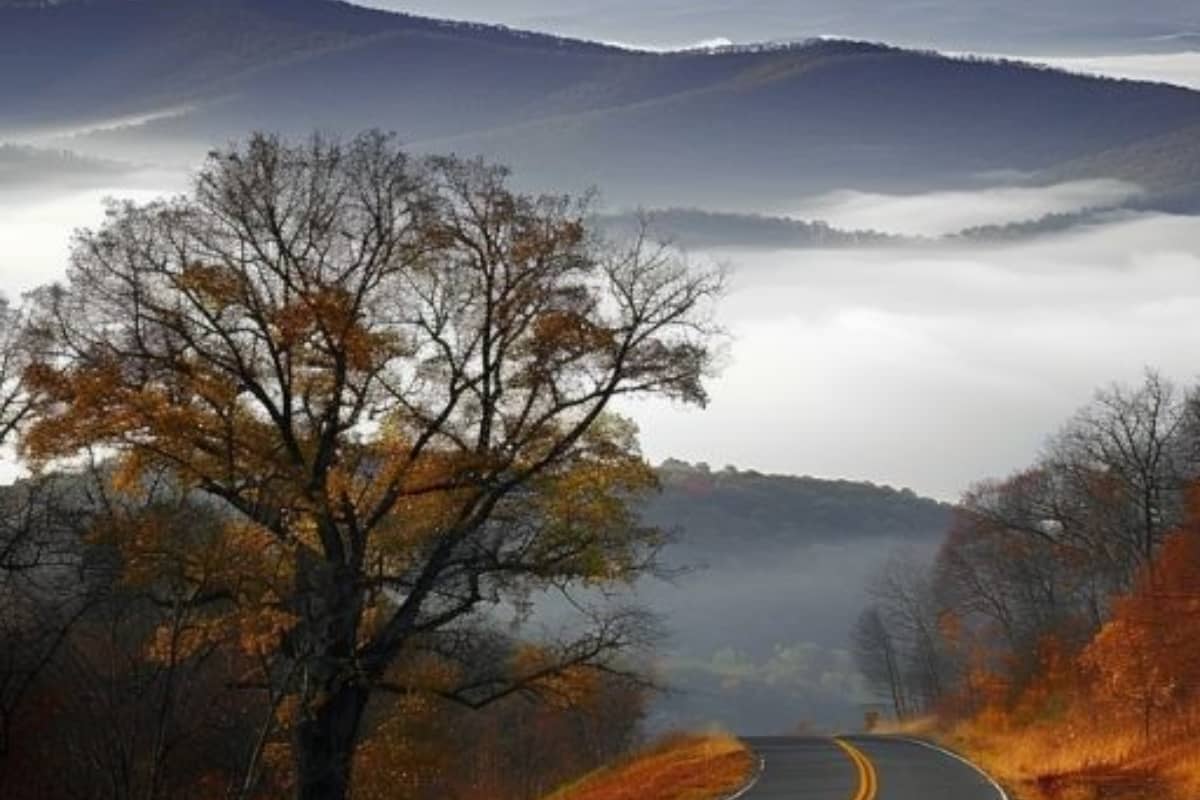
957 757
762 765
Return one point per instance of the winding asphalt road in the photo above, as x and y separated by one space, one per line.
864 768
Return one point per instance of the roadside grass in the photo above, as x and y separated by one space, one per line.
678 767
1054 761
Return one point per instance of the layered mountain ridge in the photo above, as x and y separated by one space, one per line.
746 126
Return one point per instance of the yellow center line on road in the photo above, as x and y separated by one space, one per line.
868 780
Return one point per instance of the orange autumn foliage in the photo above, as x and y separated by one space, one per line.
404 754
1148 654
1119 718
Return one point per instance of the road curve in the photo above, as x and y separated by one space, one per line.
864 768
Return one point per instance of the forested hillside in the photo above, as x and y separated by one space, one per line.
733 511
773 571
113 673
1167 166
745 545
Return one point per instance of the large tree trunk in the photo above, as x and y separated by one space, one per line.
325 741
333 695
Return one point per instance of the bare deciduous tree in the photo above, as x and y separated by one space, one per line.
1125 461
904 598
878 660
400 372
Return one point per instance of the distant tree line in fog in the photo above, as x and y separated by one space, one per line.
692 227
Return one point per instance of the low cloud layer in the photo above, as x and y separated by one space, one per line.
36 227
933 368
793 669
1181 69
926 368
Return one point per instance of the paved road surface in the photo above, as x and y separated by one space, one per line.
863 768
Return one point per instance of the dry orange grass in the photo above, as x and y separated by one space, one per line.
1184 772
1057 762
680 767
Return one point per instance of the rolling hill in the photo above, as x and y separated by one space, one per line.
752 126
776 571
1168 166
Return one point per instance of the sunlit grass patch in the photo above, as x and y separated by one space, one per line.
678 767
1060 761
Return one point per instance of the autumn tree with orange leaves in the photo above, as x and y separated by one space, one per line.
1146 658
394 377
1068 603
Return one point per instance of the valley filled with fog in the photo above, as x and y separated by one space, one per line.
827 347
996 343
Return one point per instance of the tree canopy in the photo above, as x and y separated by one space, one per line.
393 377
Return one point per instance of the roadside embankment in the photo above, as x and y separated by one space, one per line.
678 767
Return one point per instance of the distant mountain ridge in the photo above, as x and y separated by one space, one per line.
1026 26
744 126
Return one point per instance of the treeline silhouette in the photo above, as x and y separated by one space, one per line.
692 227
744 511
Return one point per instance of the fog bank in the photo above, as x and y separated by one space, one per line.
935 367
